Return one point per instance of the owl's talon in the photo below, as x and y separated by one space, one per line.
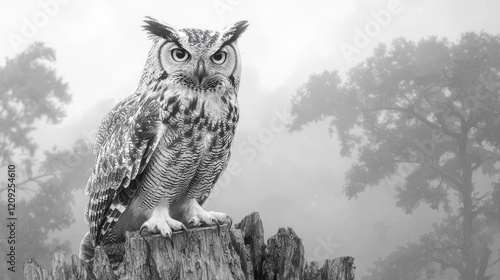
193 222
229 221
199 216
159 223
141 231
216 222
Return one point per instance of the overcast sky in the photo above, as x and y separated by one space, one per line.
291 179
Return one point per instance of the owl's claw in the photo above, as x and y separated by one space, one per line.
210 219
194 221
199 216
216 222
162 224
229 221
142 230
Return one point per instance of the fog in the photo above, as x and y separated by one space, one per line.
293 179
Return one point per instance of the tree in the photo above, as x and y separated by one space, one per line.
428 113
30 92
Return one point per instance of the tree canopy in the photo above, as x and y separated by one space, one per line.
429 113
31 92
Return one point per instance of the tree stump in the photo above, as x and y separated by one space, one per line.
285 256
338 269
252 231
201 253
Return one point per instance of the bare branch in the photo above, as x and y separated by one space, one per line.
458 267
439 169
479 163
446 175
450 224
417 116
36 178
495 262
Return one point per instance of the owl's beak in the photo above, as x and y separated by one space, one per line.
200 71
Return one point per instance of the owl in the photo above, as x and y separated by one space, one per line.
160 151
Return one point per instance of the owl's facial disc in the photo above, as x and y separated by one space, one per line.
207 71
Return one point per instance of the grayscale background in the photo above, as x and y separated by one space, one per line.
294 179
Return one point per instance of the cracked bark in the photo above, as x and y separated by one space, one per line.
202 253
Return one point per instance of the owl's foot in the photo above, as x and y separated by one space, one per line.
210 218
196 216
161 222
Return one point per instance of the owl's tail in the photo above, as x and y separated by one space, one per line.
113 251
87 248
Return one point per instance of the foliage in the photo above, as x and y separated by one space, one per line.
436 255
428 113
31 91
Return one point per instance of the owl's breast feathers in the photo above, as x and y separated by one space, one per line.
205 123
196 128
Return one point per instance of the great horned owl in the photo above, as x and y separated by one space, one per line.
160 151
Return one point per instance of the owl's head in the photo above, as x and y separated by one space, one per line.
201 60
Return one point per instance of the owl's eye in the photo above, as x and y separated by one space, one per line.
180 55
219 57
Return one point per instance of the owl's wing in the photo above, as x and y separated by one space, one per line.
114 118
125 142
218 172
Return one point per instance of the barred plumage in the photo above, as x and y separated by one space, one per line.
160 151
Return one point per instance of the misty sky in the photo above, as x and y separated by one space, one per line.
291 179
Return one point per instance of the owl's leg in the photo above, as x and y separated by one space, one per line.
194 215
161 222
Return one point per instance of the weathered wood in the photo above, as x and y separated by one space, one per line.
338 269
100 268
201 253
252 230
312 271
243 251
285 256
33 270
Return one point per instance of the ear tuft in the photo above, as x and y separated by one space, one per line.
234 31
154 28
